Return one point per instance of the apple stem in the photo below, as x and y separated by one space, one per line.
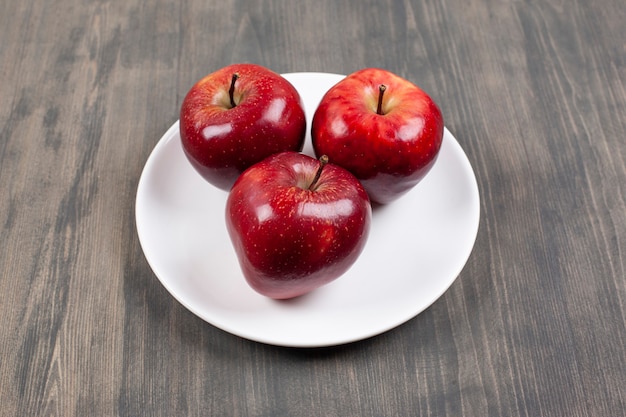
323 161
381 92
231 91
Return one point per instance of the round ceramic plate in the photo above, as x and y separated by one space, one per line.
416 248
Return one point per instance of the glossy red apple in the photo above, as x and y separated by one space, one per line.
296 223
382 128
238 116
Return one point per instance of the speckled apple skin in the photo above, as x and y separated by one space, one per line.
389 153
289 239
221 141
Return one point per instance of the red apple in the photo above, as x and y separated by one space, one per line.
382 128
238 116
296 223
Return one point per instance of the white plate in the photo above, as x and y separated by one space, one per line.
416 249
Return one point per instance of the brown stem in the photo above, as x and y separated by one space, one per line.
381 92
323 162
231 91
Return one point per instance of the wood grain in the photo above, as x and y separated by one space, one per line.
535 325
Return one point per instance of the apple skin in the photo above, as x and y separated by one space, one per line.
221 141
388 153
289 239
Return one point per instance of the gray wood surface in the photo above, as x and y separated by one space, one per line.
535 325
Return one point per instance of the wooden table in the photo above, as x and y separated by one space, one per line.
535 325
